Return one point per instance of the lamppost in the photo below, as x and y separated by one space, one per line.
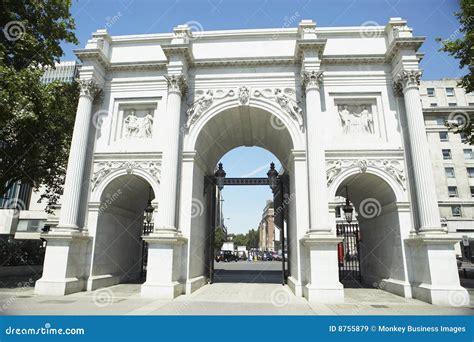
347 208
148 211
220 176
272 176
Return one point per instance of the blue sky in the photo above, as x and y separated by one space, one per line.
243 205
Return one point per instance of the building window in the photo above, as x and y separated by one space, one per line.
463 137
443 136
472 191
433 104
471 104
440 121
470 172
449 172
452 191
430 92
446 154
452 104
467 153
456 210
449 91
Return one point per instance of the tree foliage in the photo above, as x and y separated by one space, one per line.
462 48
36 119
219 238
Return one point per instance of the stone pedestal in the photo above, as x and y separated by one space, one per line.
434 272
322 270
163 279
65 264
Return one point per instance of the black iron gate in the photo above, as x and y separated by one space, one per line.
348 253
281 199
147 229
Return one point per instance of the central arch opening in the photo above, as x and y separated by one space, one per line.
226 137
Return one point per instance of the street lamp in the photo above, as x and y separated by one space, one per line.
220 176
149 209
272 176
347 208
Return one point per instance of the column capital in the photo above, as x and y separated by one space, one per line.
90 88
177 83
406 79
312 79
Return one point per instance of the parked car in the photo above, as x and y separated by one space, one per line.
226 256
267 256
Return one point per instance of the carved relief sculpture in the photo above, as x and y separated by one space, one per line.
244 95
286 100
203 103
356 119
138 127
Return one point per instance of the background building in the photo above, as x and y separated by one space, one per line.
266 229
452 157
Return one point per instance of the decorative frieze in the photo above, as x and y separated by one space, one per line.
393 168
356 119
286 99
204 102
104 168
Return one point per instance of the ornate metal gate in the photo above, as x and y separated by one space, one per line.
147 229
349 253
281 199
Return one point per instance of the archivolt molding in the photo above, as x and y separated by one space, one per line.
206 99
103 169
393 168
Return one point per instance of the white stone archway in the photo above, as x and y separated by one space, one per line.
260 123
384 220
115 221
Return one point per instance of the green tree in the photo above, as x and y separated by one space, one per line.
241 240
252 238
462 48
219 238
36 120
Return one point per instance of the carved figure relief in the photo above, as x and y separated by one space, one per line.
138 127
356 119
203 102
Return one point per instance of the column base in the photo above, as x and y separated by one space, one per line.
64 270
434 271
164 269
398 287
323 275
60 287
324 295
195 284
164 291
295 286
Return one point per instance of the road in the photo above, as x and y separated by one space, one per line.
255 272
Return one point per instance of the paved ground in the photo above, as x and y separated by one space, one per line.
221 298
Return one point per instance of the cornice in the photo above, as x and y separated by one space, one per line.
366 154
99 156
251 61
397 44
309 44
179 49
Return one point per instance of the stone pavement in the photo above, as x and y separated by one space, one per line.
215 299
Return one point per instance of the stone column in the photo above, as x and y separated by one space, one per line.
316 159
68 219
427 203
169 168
